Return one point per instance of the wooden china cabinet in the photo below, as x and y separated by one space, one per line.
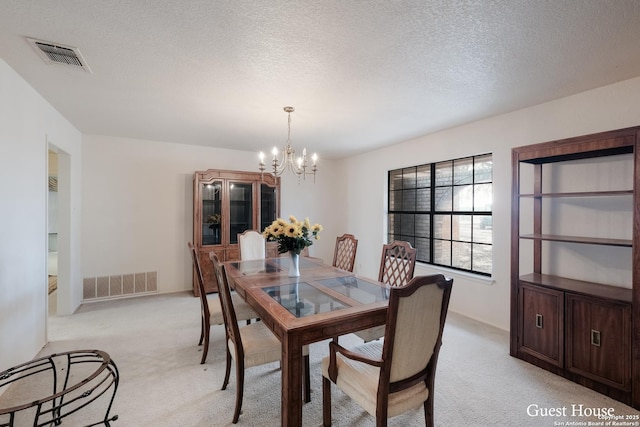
226 203
575 263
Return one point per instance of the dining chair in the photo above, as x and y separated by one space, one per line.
344 255
398 375
210 309
251 245
250 345
397 265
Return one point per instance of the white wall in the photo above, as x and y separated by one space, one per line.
27 123
607 108
323 202
138 205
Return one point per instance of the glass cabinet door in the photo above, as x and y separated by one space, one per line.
211 213
240 209
268 205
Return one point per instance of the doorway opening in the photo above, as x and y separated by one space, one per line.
52 232
58 231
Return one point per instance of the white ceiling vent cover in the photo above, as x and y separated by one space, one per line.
60 54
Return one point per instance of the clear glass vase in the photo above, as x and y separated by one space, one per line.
294 264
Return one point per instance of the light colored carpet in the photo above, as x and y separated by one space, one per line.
153 340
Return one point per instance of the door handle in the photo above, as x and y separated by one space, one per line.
539 321
595 338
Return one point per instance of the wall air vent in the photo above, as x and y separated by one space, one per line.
60 54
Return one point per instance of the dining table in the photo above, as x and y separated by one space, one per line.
323 303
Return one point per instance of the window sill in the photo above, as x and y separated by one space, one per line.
432 269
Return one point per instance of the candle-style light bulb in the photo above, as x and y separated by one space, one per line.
314 158
274 151
261 155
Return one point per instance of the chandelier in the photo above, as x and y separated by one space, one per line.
287 158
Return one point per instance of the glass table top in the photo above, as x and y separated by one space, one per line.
357 289
256 266
284 261
302 299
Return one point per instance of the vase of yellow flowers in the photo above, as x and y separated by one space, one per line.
292 237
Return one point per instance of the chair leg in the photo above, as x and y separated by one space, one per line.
227 372
382 406
307 380
428 410
205 350
239 389
326 402
201 330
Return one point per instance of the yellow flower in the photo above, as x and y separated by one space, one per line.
293 219
317 228
307 224
293 230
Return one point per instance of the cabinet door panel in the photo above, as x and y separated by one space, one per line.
268 205
541 324
578 335
241 211
232 253
610 360
211 214
599 340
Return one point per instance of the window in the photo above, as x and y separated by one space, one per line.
444 210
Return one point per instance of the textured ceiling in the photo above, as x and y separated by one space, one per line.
360 73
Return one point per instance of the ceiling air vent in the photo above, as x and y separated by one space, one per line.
60 54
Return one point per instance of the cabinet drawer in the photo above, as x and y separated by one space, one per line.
233 253
540 327
599 340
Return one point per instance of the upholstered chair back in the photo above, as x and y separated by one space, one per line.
416 331
252 245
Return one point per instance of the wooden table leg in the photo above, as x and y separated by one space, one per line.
291 381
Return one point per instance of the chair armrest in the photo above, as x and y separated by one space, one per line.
334 348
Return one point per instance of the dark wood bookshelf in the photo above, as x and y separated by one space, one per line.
585 331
